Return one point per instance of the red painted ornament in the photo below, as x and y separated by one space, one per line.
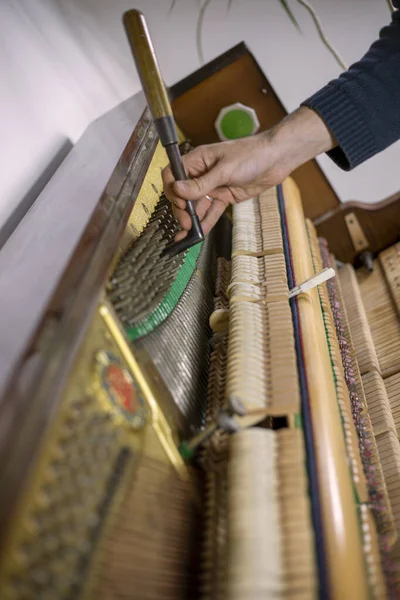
121 388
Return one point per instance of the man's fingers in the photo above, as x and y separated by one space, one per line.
195 188
167 177
195 164
208 212
178 202
202 207
183 217
168 181
215 211
181 235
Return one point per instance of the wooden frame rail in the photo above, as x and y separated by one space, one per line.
342 541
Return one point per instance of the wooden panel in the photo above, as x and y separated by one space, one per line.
380 223
34 389
390 263
342 544
199 98
34 258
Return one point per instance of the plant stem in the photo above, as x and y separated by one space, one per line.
199 27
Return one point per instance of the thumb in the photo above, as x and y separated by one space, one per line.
194 189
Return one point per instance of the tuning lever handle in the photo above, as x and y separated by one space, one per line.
160 108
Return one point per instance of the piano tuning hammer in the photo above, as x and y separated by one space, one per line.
160 108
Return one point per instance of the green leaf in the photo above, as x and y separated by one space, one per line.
291 16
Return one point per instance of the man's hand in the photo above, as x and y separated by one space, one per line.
235 171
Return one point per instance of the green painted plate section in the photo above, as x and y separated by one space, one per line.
237 123
171 299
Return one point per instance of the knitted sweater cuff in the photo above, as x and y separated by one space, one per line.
347 123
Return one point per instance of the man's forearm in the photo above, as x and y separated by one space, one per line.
299 137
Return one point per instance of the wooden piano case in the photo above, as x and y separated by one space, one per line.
67 480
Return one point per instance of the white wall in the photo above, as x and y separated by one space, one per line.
65 62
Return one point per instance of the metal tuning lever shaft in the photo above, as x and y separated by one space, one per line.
157 99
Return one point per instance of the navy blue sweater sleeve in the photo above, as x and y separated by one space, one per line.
362 106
